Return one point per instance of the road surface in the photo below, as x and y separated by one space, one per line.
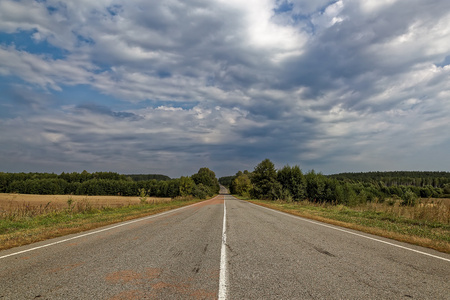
189 254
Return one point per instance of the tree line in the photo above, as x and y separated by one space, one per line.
399 178
201 185
143 177
290 183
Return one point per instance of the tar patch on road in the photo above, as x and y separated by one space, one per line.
320 250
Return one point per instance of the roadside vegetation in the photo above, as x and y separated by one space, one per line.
412 207
200 185
24 222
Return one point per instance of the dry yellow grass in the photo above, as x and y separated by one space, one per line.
428 209
10 202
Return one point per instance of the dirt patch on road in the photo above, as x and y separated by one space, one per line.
152 273
160 286
123 276
216 200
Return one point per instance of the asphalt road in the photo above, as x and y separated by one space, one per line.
188 254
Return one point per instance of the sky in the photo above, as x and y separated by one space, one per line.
168 87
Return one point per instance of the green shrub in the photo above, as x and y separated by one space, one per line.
409 198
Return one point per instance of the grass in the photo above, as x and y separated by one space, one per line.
426 224
11 201
24 224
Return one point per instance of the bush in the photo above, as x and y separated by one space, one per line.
200 191
207 178
409 198
242 185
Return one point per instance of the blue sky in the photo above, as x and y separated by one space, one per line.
171 86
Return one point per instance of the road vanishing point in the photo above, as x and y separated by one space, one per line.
223 248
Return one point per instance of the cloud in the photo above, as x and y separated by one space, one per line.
135 140
42 71
332 85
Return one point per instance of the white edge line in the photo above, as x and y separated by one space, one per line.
101 230
223 280
354 233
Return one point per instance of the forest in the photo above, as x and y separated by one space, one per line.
200 185
291 184
398 178
264 182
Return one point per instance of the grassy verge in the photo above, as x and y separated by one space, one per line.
17 229
381 220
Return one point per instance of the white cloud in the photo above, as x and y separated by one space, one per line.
14 16
43 71
330 16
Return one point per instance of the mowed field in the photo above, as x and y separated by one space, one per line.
10 202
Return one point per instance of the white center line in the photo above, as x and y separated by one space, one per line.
223 280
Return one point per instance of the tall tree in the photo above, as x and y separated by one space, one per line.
207 178
315 186
242 185
264 179
187 185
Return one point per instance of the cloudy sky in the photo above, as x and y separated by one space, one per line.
170 86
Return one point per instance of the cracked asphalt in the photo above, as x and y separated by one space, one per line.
176 255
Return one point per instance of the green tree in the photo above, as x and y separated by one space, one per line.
344 194
242 185
187 185
207 178
315 186
264 180
226 180
162 188
200 191
173 188
293 181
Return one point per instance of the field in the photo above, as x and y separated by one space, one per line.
26 219
11 202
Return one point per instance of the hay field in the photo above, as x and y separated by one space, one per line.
10 202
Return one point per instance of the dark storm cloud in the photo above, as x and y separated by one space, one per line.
331 85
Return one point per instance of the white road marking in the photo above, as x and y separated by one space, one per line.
223 279
354 233
101 230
